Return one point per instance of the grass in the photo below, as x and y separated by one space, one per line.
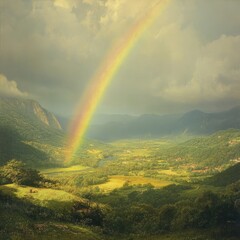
118 181
171 172
49 231
50 198
199 189
138 142
139 148
194 234
75 168
19 226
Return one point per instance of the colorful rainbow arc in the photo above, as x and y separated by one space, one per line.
103 77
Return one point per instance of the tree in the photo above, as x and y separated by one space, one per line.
166 216
17 172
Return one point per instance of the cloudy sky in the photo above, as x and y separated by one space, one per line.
188 59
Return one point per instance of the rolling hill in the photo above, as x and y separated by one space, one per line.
220 148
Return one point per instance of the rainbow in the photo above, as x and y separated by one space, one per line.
104 76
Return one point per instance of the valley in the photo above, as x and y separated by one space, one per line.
171 187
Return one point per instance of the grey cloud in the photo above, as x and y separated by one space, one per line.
187 59
215 18
219 60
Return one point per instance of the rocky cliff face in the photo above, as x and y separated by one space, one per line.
43 115
31 108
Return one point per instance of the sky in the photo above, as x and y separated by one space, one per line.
187 59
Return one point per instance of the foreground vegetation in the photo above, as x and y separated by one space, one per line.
131 212
127 196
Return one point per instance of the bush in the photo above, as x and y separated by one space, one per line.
17 172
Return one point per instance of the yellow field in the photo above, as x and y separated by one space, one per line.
118 181
74 168
171 172
135 153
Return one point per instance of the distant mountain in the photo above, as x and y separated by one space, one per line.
106 118
28 132
226 177
152 126
197 122
144 126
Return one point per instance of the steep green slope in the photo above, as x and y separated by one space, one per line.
29 120
228 176
29 133
12 146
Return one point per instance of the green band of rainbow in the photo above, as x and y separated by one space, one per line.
103 77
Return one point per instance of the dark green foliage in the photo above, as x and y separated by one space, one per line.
145 212
148 212
166 216
187 217
92 179
230 175
12 146
16 172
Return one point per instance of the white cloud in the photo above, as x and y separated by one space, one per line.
8 87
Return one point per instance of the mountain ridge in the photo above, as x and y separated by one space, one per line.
194 122
30 107
29 133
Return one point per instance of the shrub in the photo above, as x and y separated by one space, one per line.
17 172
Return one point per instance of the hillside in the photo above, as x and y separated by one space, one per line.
43 213
113 127
29 119
28 132
218 149
226 177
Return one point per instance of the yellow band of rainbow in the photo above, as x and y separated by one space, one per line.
103 77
